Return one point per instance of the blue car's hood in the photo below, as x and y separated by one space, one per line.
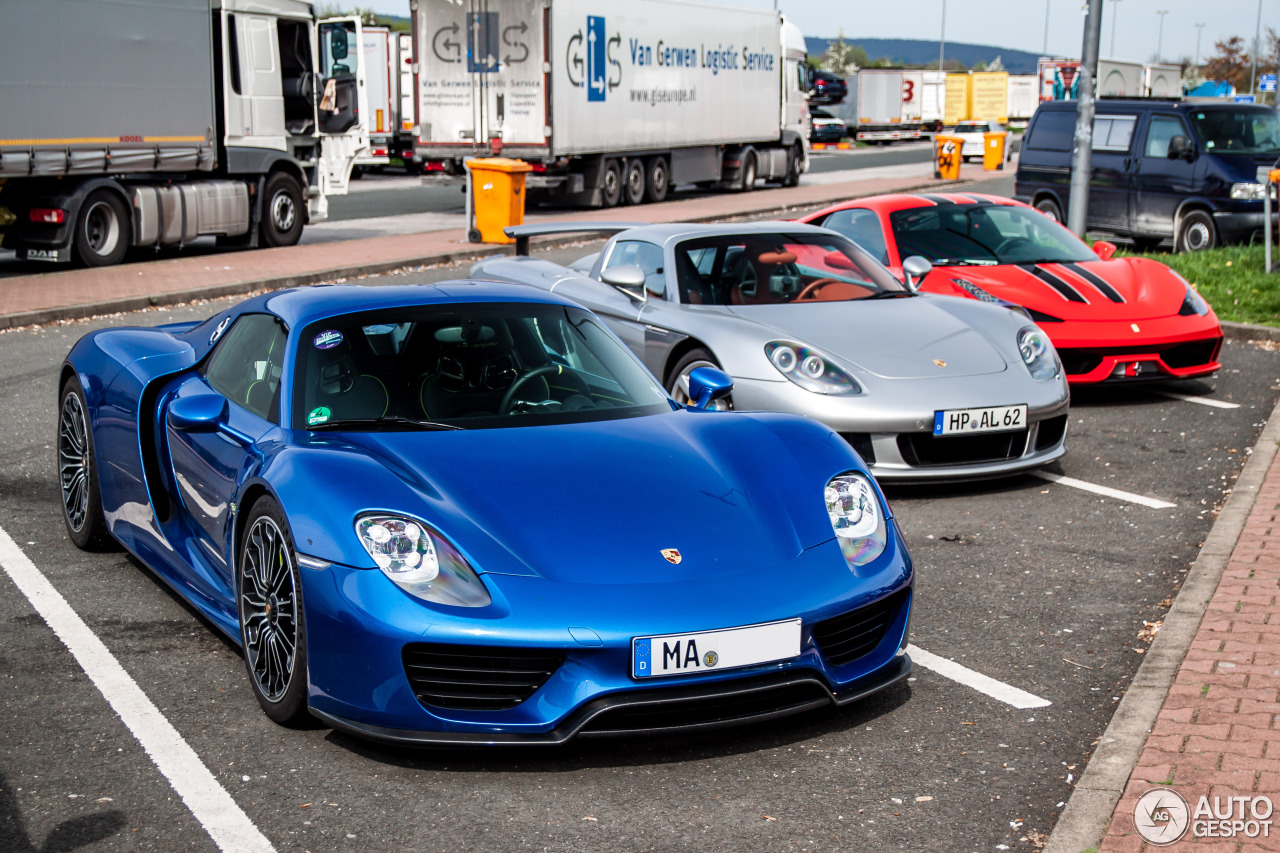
599 502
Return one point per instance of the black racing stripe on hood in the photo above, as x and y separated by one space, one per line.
1065 290
1097 281
937 199
977 199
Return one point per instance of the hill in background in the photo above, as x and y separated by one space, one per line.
918 52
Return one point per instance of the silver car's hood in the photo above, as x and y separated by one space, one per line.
891 338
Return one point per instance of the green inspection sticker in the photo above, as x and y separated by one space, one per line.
318 415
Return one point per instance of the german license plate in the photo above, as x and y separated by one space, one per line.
707 651
993 419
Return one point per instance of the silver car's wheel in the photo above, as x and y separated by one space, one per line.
272 627
679 384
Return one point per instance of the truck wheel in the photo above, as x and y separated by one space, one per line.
792 178
748 172
610 184
103 230
1049 208
633 187
658 179
281 211
1196 232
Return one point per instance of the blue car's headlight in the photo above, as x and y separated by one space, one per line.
1038 354
809 369
420 561
859 525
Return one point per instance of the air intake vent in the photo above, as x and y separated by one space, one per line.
843 639
477 678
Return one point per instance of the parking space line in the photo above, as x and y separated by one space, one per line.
210 804
1204 401
982 683
1106 491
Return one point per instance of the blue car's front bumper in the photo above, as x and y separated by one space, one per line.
358 624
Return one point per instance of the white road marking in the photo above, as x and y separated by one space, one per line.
228 826
982 683
1106 491
1204 401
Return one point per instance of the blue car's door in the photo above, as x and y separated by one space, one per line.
207 467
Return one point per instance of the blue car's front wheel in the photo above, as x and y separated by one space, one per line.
272 629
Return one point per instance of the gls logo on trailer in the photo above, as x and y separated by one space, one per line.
594 71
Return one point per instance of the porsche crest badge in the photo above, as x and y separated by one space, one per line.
939 362
672 555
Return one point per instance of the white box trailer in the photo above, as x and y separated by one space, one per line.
890 105
405 94
1119 78
1162 81
1024 97
156 122
378 106
933 98
612 101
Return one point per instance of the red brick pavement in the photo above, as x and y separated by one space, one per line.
130 286
1216 736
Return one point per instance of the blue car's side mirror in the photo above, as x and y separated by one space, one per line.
200 413
707 384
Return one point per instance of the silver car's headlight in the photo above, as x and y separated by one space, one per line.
1038 354
856 518
809 369
420 561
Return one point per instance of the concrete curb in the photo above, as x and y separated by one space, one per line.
472 251
1090 808
1249 332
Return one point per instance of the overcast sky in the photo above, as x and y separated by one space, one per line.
1014 23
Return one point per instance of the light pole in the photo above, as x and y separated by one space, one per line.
1045 50
1115 10
1160 37
1199 32
942 38
1257 44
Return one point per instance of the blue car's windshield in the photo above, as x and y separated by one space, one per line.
984 234
469 365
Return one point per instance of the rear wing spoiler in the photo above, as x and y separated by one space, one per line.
522 233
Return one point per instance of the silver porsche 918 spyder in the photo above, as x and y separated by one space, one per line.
924 387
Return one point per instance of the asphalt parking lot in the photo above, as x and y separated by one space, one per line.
1042 587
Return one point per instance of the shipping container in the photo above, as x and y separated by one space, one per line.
1024 97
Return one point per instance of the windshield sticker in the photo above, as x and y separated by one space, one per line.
328 339
318 415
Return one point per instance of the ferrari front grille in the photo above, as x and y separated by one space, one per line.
845 638
477 678
924 450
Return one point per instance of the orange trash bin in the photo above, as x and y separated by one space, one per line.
498 195
946 157
993 143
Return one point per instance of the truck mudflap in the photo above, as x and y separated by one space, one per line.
57 256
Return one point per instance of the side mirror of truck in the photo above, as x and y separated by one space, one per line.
338 43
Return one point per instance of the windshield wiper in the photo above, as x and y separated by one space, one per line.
888 294
386 420
965 262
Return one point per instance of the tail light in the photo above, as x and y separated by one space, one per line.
47 215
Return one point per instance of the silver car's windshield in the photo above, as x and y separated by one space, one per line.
986 234
466 366
769 269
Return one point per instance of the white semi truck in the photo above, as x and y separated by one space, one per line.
155 122
611 101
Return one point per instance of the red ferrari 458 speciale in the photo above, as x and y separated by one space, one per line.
1112 319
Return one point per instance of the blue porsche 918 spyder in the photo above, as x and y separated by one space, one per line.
466 513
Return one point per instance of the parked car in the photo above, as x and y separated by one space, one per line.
1111 319
827 88
924 387
971 132
826 127
1162 170
415 509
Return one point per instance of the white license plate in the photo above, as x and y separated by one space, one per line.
708 651
993 419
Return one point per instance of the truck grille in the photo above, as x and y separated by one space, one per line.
845 638
477 678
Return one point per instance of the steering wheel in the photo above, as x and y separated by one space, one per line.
509 399
813 286
1011 241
